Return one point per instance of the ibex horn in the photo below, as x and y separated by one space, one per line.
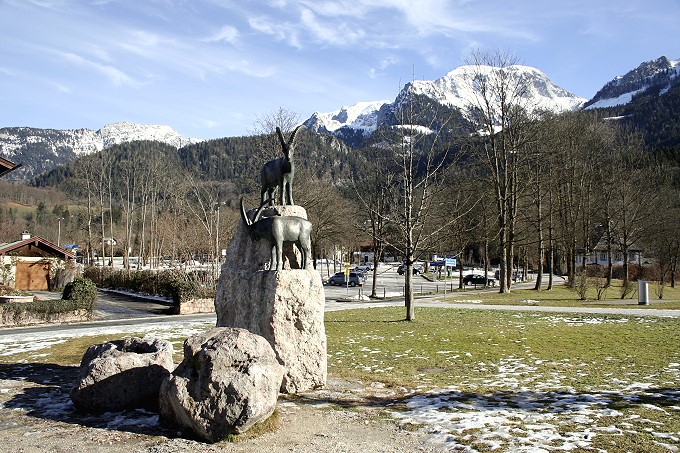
280 134
292 136
244 216
259 209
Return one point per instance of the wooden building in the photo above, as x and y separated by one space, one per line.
29 263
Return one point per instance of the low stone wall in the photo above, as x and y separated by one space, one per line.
193 306
10 318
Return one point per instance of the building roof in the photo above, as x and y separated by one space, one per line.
601 245
7 166
37 244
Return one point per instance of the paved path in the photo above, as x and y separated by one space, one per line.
432 301
124 310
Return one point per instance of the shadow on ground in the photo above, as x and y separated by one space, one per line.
42 391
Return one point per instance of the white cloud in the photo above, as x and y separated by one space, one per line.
227 34
276 30
116 76
382 65
263 25
339 35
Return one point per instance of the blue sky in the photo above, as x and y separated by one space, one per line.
210 68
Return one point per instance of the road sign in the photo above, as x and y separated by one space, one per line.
450 262
347 269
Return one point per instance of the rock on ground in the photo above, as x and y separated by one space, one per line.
122 374
228 381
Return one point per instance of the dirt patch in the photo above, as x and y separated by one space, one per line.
36 416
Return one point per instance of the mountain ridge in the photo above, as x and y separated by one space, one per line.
662 73
40 150
455 89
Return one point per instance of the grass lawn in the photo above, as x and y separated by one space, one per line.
508 379
497 380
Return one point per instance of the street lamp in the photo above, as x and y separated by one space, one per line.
59 219
217 238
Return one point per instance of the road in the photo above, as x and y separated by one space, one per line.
123 310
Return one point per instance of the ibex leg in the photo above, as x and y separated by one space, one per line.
288 187
273 261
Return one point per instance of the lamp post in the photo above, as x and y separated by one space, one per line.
59 219
217 239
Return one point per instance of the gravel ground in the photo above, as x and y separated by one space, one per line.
36 416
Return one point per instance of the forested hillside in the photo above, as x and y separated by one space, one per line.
653 113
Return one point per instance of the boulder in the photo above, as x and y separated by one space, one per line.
122 374
287 309
228 381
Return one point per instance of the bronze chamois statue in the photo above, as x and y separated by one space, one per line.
277 230
280 172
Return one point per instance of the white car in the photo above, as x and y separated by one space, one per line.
365 267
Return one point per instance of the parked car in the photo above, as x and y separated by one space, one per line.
365 267
474 279
360 271
339 279
416 269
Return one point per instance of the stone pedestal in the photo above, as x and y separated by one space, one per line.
285 307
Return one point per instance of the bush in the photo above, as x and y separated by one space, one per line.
7 291
182 290
82 292
174 284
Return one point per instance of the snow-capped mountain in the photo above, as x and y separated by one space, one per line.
85 141
456 89
39 150
361 115
661 73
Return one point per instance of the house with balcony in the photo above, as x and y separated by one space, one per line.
6 166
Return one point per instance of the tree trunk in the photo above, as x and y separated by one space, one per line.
539 230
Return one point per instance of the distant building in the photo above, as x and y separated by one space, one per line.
30 263
599 255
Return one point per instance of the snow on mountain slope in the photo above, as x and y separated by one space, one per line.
661 73
360 116
113 134
40 150
456 89
85 141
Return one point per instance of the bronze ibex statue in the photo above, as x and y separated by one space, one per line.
279 229
280 172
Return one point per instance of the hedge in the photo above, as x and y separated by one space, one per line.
79 295
174 284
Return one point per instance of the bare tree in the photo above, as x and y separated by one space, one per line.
375 187
637 197
422 159
331 215
502 116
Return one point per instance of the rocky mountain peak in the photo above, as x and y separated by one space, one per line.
661 72
39 150
454 90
